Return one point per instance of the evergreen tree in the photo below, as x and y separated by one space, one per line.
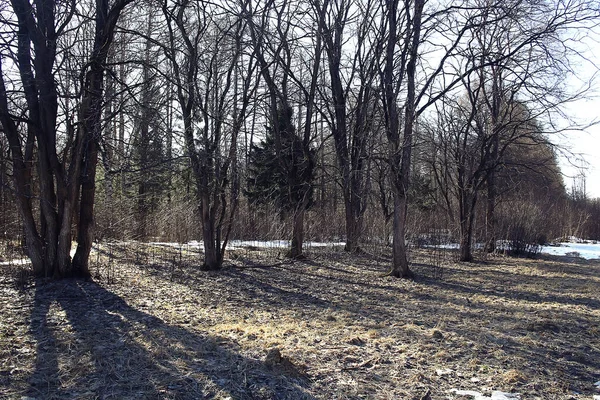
281 176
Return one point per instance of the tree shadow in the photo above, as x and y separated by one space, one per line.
92 344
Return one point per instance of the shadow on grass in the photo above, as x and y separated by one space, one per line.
531 320
92 344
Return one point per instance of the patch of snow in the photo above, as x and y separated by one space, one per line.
325 244
447 246
238 244
473 393
589 251
22 261
496 395
597 384
263 244
194 244
442 372
596 397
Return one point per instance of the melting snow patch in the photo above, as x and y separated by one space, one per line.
23 261
496 395
596 397
597 384
589 251
476 395
441 372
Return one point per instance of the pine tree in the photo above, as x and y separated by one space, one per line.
281 177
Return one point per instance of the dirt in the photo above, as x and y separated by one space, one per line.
151 325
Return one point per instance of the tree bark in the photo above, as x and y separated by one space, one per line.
298 234
468 202
490 220
354 225
400 267
212 259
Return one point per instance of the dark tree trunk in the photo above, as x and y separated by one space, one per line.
212 258
91 111
85 233
468 202
490 220
297 234
354 225
400 267
144 138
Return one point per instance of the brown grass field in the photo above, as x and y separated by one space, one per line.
151 325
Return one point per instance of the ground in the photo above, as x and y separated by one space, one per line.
151 325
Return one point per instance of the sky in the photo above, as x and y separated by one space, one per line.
582 148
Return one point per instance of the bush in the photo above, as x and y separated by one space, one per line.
522 230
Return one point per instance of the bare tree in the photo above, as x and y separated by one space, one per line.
215 83
513 72
403 24
353 41
65 188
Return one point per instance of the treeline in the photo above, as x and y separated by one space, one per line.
362 121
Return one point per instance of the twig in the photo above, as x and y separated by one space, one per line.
361 365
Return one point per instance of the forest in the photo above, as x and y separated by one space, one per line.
295 199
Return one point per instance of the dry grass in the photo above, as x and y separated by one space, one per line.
331 327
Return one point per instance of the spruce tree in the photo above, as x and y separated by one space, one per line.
281 176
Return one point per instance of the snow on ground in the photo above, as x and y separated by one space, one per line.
575 247
23 261
589 251
236 244
27 261
496 395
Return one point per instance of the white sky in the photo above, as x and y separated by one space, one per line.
585 149
584 146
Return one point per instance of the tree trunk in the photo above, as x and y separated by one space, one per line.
490 243
91 111
21 174
49 217
400 267
467 220
212 259
466 239
354 223
490 220
298 233
85 233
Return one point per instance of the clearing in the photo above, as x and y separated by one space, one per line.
151 325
